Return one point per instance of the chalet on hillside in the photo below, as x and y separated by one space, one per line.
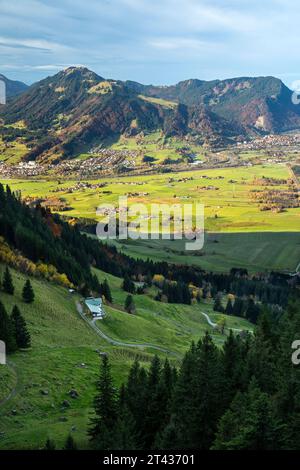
94 307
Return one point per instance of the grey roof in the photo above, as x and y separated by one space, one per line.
94 305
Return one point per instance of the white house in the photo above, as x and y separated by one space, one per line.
94 307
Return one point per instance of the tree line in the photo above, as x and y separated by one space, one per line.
13 328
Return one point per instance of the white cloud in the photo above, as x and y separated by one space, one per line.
33 44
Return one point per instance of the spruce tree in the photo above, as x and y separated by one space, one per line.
50 445
249 424
136 396
252 311
238 307
156 403
20 328
70 443
129 304
125 431
232 368
28 294
106 291
7 284
229 308
182 407
288 376
102 425
207 392
128 284
7 333
218 307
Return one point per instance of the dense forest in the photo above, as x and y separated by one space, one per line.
245 395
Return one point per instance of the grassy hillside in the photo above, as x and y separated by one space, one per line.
255 251
65 356
61 342
12 152
171 326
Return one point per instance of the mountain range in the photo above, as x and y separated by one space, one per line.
75 109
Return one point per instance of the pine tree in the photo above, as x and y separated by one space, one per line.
20 328
288 377
136 396
128 285
106 291
229 308
50 445
252 311
70 443
125 432
103 424
156 403
28 294
207 393
238 307
129 304
7 333
7 284
262 357
182 407
232 368
218 307
249 424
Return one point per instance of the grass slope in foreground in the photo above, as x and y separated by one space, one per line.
62 342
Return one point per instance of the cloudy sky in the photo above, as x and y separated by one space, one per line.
151 41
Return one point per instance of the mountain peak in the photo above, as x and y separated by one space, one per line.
80 71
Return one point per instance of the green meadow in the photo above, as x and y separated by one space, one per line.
170 326
12 152
257 251
225 193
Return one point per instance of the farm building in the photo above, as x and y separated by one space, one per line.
94 307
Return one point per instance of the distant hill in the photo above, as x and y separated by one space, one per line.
13 87
75 109
258 104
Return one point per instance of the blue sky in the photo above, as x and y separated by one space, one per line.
151 41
